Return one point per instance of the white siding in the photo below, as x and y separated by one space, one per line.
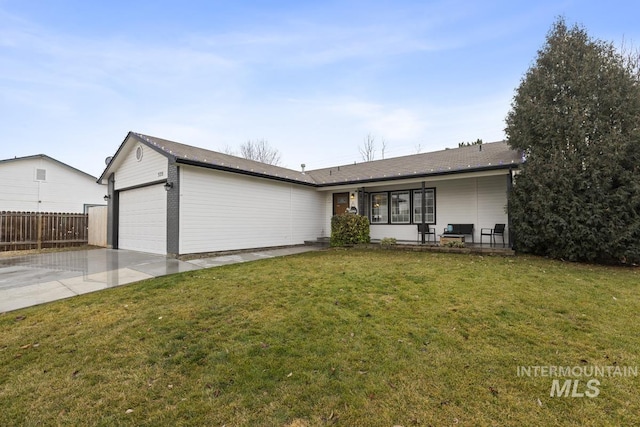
480 201
492 204
64 189
143 219
224 211
151 168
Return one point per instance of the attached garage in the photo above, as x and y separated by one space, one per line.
142 224
173 199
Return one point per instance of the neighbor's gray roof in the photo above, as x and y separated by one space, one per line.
44 156
495 155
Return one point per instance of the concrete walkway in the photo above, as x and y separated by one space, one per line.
35 279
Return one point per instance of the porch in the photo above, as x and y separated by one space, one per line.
469 248
411 245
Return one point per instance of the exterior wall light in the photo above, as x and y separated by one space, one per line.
168 185
107 197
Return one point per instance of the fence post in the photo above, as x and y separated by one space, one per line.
39 226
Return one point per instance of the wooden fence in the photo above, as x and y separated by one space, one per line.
34 230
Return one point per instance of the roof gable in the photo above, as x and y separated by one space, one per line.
188 154
49 159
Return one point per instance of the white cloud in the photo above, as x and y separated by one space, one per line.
389 122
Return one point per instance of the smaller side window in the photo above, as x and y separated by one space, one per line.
41 174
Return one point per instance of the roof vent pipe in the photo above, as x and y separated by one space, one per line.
480 147
302 166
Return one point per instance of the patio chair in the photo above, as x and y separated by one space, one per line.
497 230
429 231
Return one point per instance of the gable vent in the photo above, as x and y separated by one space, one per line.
41 174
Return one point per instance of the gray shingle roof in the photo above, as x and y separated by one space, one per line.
183 153
456 160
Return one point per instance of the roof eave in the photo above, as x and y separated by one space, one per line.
419 175
243 172
104 176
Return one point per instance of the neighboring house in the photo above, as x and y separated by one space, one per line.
42 184
171 198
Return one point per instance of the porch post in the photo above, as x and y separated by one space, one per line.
423 208
113 209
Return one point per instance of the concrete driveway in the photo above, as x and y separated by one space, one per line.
35 279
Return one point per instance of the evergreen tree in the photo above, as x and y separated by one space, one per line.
576 118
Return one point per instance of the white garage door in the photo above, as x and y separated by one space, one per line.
143 220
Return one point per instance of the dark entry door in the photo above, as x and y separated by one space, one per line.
340 203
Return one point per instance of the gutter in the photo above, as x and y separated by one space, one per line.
418 175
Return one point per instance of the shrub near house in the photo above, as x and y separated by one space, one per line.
349 229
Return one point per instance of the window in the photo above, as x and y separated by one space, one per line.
41 174
379 208
417 206
400 207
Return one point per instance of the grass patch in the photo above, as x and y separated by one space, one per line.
355 337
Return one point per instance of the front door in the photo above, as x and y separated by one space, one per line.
340 203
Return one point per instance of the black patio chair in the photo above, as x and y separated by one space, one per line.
497 230
429 231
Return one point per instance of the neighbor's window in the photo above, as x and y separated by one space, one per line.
400 207
430 218
41 174
379 208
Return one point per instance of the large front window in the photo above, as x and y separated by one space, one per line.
430 217
379 208
400 207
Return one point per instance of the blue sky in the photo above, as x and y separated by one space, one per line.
312 78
